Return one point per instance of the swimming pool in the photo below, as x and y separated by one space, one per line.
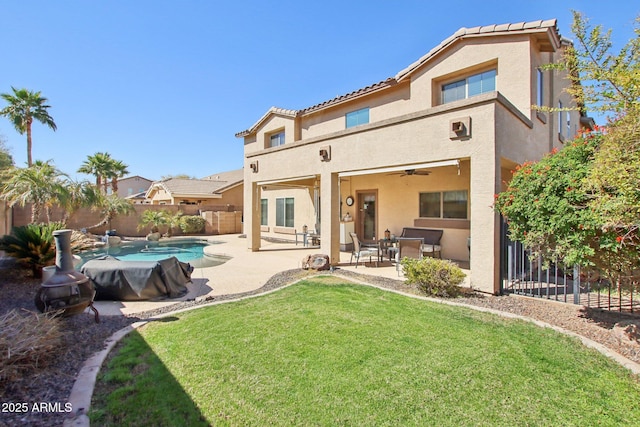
191 251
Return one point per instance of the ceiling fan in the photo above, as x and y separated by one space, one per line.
411 172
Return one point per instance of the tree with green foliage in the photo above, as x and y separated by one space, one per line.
24 107
6 162
104 168
173 220
40 184
154 218
32 245
116 171
75 195
582 204
109 207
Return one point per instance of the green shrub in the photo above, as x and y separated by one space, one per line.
32 245
192 224
435 277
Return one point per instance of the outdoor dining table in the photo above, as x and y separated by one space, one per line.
384 247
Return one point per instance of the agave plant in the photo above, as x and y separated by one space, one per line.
32 245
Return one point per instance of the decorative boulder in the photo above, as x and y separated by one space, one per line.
153 237
318 262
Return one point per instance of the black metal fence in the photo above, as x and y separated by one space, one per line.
523 275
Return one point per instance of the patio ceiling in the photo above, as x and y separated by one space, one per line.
429 165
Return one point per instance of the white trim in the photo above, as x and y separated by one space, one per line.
278 181
401 168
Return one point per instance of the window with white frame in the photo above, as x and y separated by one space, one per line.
561 123
264 212
355 118
276 139
540 88
444 204
471 86
284 212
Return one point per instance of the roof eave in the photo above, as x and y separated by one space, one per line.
545 32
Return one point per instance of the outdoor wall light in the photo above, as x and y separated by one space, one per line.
460 128
325 153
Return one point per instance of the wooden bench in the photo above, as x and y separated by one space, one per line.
430 237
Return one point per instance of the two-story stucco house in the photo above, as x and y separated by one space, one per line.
429 147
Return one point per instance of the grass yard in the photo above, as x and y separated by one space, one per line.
325 352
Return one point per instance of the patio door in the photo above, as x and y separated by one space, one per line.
367 215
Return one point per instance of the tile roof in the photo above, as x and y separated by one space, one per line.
207 186
230 177
351 95
547 27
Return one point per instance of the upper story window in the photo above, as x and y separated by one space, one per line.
276 139
470 86
359 117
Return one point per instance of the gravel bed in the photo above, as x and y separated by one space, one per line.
53 383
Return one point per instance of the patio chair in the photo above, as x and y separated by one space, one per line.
362 250
408 248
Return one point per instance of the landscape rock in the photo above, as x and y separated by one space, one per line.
318 262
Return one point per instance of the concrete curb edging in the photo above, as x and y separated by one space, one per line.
82 390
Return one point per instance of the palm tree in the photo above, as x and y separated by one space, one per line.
104 168
74 195
110 206
154 218
173 221
96 165
41 185
24 107
117 170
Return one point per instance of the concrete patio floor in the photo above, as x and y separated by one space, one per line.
244 271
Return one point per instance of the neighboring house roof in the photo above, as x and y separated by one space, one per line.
133 177
140 195
233 176
548 37
210 186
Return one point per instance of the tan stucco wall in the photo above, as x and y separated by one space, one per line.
409 126
273 124
398 203
304 211
383 105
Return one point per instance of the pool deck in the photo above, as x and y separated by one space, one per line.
244 271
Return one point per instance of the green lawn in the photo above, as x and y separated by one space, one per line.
325 352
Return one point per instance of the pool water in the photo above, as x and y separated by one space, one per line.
186 251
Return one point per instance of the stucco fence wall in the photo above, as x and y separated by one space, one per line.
220 219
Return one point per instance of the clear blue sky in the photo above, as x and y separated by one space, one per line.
164 86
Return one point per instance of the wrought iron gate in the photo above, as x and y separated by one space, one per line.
524 275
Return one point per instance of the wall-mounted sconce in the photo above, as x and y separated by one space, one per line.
254 166
325 153
460 128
